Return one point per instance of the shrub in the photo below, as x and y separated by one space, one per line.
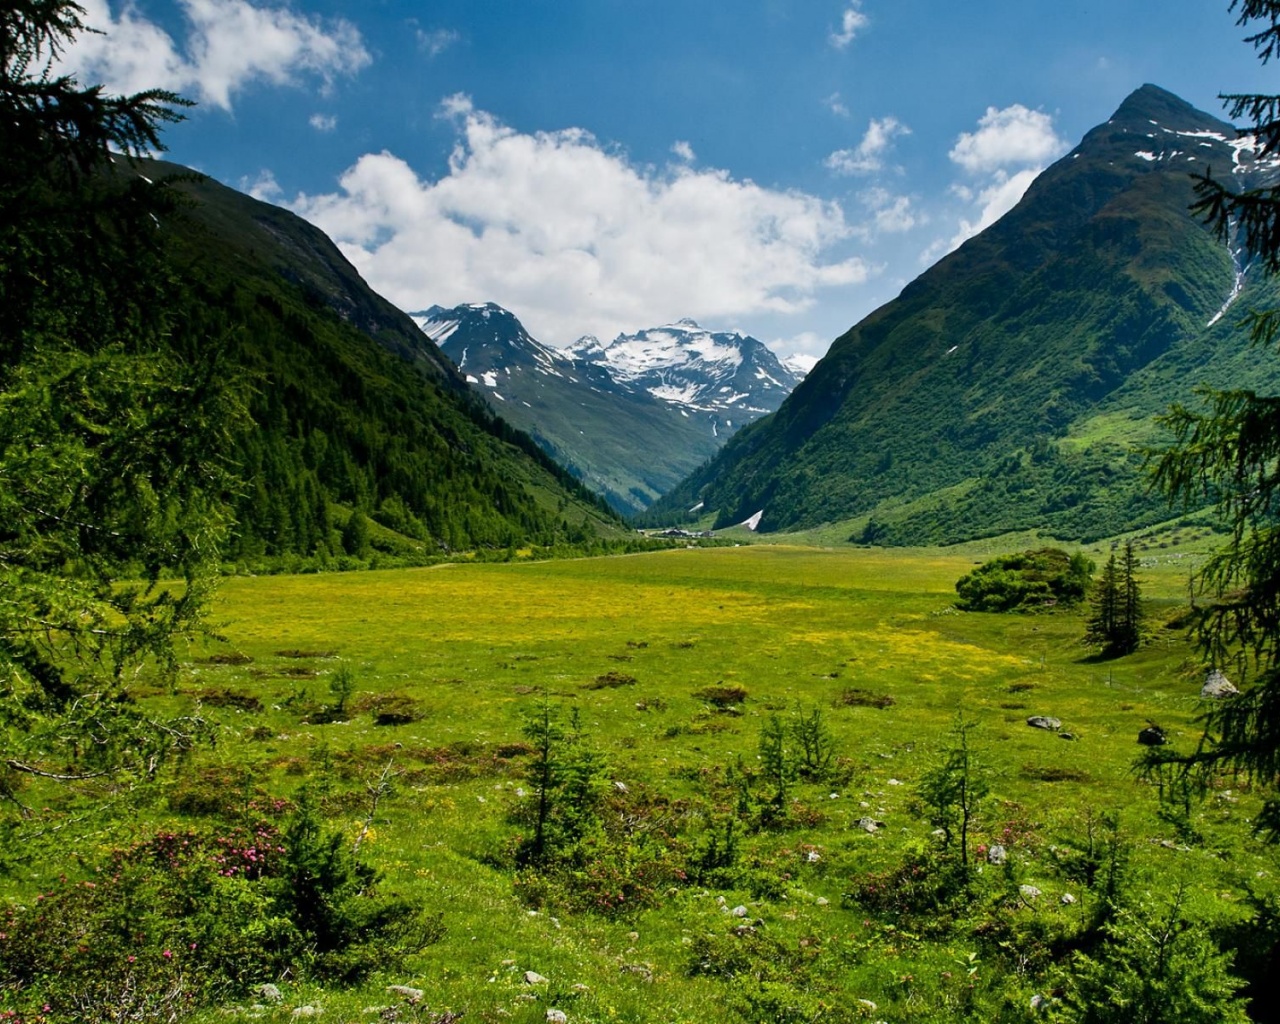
851 697
722 696
610 680
1030 579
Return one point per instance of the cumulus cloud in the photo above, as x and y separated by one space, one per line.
434 42
229 44
868 156
1006 153
891 214
323 122
577 239
1014 135
852 22
684 151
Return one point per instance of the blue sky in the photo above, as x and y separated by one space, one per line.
607 165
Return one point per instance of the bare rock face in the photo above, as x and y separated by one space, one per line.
1217 686
1044 722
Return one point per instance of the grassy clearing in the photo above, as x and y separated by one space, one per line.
469 651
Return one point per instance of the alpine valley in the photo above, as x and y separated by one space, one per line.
630 418
1015 384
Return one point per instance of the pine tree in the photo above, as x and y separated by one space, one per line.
1229 451
1115 622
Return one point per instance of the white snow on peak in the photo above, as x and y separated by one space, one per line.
490 379
1145 154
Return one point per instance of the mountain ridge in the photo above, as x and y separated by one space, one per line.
969 385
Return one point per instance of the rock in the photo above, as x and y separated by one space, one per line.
868 825
1152 736
1038 1003
1044 722
534 978
813 857
410 995
557 1017
620 787
739 911
268 993
1066 736
894 782
307 1011
1029 892
822 901
997 854
1067 899
1217 686
868 1005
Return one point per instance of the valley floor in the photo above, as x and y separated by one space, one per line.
701 871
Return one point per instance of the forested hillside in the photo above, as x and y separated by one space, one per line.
355 412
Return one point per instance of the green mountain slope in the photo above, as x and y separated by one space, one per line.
354 409
1004 388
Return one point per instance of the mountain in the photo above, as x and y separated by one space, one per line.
1007 387
631 418
352 407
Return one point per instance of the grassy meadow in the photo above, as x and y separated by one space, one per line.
634 651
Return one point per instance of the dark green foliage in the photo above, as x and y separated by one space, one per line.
114 435
953 789
1228 452
1154 967
187 919
778 766
1115 623
1031 579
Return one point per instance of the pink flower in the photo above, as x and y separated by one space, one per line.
167 954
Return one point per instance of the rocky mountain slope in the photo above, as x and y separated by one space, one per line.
1010 385
630 418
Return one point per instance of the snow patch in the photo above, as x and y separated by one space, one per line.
752 523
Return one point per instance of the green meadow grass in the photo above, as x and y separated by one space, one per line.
481 646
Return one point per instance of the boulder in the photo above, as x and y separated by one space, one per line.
407 993
997 854
1217 686
1044 722
557 1017
268 993
1153 736
534 978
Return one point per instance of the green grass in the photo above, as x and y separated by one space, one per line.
478 646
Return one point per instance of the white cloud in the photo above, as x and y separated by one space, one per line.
994 201
575 238
803 350
229 44
835 104
434 42
1014 135
1009 149
868 156
684 151
264 187
852 22
891 214
323 122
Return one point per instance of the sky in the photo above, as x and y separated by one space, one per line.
603 166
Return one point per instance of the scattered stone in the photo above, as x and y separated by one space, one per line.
408 994
633 936
557 1017
269 993
642 971
997 854
620 787
1066 736
869 825
894 782
822 901
1029 892
1038 1003
813 857
1044 722
581 988
307 1011
508 963
1152 736
1068 899
834 796
868 1005
739 911
1217 686
534 978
